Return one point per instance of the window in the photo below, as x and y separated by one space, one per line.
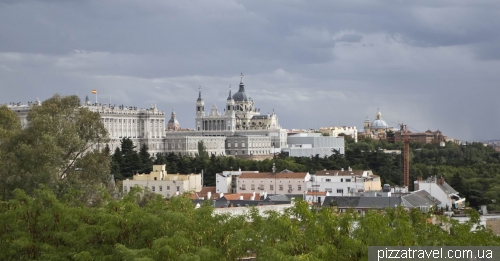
229 145
347 180
243 145
155 178
252 187
243 187
289 188
125 188
299 188
328 190
168 187
153 188
161 188
341 180
271 187
340 191
178 188
328 180
261 187
281 187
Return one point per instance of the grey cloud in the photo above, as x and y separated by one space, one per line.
431 64
350 38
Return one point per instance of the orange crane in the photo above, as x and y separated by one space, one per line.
406 156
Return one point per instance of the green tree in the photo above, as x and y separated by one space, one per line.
146 161
131 162
59 134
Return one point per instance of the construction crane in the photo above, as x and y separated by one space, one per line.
406 156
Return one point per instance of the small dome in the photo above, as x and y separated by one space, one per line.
379 124
175 121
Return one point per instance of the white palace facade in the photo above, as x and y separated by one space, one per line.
239 130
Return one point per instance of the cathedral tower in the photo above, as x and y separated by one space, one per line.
200 111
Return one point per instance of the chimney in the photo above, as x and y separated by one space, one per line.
342 169
241 197
209 195
252 198
221 195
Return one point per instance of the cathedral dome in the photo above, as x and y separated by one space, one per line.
379 124
240 95
173 123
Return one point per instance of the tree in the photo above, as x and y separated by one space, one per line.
131 162
9 127
146 161
59 134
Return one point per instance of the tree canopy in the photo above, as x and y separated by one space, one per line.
61 148
141 227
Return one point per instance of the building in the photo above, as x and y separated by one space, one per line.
167 185
336 131
273 183
243 131
427 137
248 145
262 134
226 181
344 182
312 144
440 191
376 129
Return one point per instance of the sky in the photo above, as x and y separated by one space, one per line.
428 64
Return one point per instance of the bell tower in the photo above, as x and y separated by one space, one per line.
230 114
200 111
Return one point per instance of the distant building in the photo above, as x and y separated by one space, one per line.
248 145
418 199
278 183
226 181
167 185
311 144
440 191
427 137
376 129
344 182
336 131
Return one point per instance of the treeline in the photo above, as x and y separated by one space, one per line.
43 227
473 169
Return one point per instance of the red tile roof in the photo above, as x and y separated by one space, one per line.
246 196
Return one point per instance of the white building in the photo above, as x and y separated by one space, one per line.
334 131
311 144
440 190
240 118
226 181
273 183
344 182
167 185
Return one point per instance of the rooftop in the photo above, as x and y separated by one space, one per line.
270 175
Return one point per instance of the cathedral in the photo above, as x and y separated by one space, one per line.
377 129
239 114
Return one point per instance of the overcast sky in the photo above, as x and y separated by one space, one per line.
430 64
